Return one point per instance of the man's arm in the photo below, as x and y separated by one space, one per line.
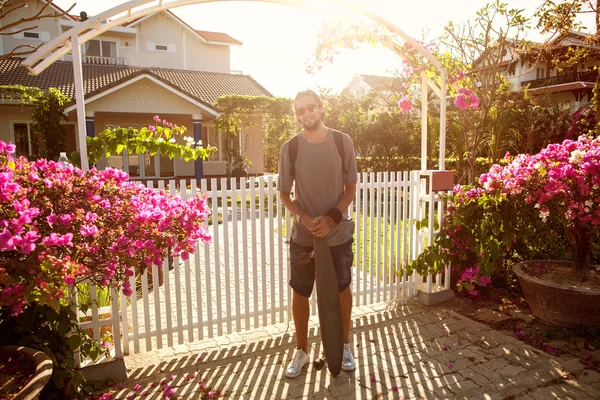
295 208
347 197
323 224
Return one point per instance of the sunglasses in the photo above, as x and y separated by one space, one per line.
308 108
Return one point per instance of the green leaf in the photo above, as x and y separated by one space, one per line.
93 354
63 327
74 342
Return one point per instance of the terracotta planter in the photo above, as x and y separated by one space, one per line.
559 304
43 371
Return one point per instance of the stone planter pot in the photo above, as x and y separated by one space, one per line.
42 371
559 304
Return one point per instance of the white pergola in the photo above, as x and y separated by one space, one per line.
353 14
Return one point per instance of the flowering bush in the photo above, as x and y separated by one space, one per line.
563 180
60 225
538 206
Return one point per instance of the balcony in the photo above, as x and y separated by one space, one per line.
587 76
104 60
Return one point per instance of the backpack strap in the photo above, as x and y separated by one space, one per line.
339 144
293 154
293 151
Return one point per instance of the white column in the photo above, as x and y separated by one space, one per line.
79 100
184 48
443 103
424 112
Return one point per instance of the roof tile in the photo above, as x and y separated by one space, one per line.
201 85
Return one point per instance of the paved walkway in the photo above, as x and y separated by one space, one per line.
403 351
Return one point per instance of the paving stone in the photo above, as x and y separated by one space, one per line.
485 314
523 315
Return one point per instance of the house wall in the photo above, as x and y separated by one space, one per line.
143 96
18 113
48 27
163 30
205 57
12 113
185 49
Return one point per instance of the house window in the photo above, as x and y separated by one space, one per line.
31 35
540 73
24 139
101 48
163 48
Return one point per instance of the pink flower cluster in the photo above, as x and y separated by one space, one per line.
404 104
60 225
470 278
466 99
563 178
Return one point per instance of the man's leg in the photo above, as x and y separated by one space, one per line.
301 281
346 302
301 313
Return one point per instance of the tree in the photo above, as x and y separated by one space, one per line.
557 20
8 7
473 54
237 113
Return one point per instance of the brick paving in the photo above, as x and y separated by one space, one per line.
403 351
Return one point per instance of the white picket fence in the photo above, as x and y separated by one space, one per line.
239 281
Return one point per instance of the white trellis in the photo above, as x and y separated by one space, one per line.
71 41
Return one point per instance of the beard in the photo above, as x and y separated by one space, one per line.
310 126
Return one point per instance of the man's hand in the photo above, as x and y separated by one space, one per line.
321 226
307 221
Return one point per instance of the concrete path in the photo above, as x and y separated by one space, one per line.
403 351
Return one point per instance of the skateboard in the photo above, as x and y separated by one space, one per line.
330 309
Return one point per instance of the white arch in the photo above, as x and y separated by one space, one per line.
126 12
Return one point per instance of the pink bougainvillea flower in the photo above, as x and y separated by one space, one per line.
404 104
466 99
373 379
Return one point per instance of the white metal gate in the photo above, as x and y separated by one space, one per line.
239 280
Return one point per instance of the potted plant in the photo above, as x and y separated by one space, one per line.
23 372
537 209
60 225
562 181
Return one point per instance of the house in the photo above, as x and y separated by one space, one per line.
156 65
570 87
360 85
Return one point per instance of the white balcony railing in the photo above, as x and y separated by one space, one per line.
104 60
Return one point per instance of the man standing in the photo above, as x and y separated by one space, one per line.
322 164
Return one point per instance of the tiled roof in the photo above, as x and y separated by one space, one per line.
382 82
218 37
205 87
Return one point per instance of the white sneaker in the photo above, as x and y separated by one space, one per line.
348 363
295 366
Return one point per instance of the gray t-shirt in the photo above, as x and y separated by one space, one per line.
319 184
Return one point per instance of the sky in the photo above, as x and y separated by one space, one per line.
279 39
